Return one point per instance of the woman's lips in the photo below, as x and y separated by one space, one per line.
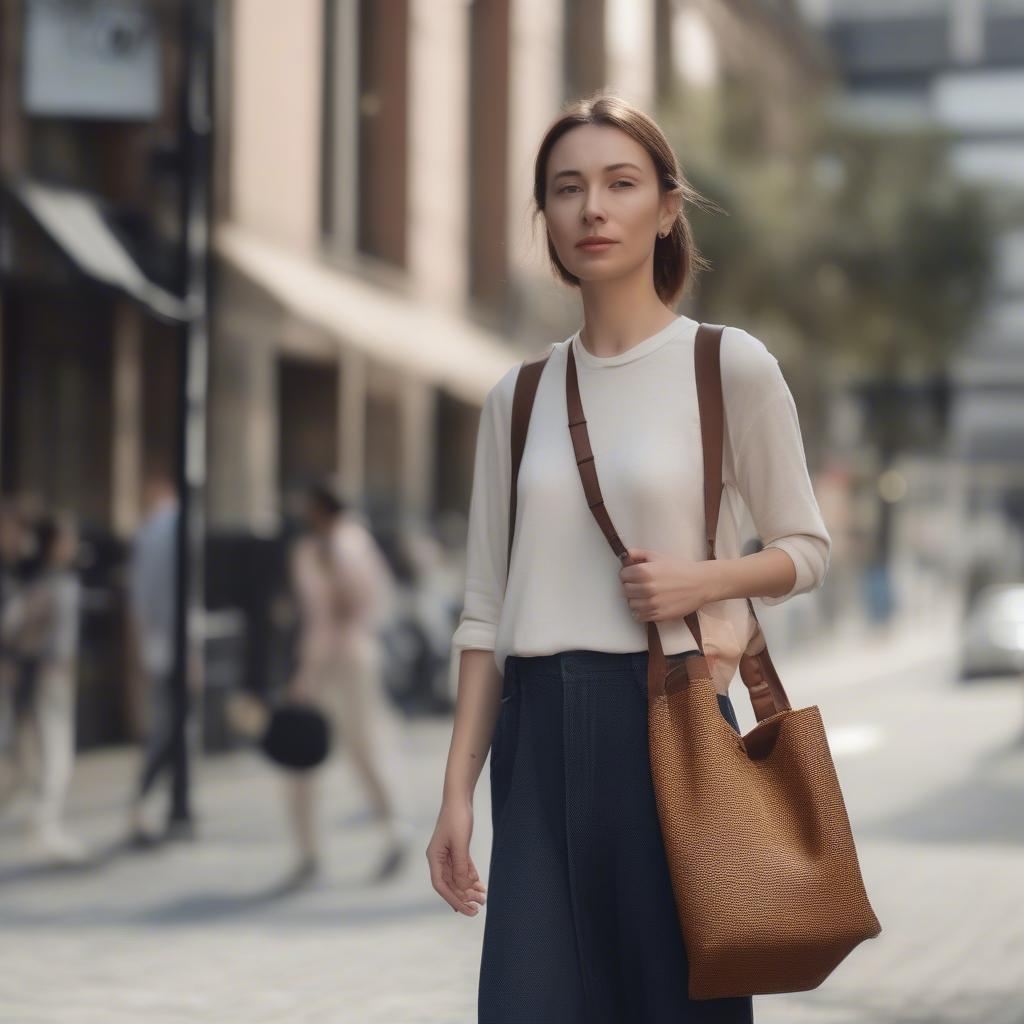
595 246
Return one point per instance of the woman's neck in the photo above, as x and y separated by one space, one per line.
609 333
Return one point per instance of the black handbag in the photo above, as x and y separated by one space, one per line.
296 736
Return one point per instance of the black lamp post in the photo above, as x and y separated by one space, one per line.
196 134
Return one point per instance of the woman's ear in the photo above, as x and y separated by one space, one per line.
671 205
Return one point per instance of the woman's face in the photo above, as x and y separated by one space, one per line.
602 182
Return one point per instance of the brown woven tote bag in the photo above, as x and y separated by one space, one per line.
764 870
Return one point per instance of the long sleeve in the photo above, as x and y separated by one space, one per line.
765 460
487 536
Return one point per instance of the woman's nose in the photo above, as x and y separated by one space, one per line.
592 209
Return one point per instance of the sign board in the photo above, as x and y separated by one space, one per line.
91 59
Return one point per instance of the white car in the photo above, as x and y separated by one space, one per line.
993 634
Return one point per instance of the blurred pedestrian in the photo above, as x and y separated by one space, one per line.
152 593
12 551
41 627
345 593
22 634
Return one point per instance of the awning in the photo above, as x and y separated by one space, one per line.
428 343
74 221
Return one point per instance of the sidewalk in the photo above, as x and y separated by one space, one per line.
192 932
935 792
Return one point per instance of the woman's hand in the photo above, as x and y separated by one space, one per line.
662 586
452 871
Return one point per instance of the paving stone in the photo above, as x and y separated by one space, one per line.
190 932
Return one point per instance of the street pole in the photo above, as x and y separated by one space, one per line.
196 130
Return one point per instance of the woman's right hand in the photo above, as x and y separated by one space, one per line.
452 871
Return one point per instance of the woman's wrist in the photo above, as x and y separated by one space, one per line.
721 579
457 796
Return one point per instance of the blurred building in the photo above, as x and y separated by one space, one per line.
91 265
958 65
375 269
378 269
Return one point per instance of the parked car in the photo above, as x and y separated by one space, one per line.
993 633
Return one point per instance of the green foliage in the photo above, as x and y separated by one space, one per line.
854 249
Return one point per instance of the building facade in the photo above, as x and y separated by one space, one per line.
375 266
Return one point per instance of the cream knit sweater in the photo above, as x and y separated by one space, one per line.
564 591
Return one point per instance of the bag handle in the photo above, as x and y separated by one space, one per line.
759 675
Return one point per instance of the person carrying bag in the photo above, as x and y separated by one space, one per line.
649 862
762 858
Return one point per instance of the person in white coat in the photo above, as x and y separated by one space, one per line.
41 624
345 592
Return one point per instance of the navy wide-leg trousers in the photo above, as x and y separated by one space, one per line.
580 921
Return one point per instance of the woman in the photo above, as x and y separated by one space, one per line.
12 539
42 623
581 923
345 593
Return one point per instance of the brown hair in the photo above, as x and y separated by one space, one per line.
676 256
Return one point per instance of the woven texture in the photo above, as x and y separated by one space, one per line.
761 855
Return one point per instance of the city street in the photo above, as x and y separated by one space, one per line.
286 365
933 774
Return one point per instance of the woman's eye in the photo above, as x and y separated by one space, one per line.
620 181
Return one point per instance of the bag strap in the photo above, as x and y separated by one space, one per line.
767 694
522 406
657 667
759 675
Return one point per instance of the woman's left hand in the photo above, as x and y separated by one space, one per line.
662 586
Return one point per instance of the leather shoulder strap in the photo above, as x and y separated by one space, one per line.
587 468
759 675
522 406
708 371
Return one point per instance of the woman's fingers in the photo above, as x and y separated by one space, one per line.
473 876
475 891
466 880
442 885
442 876
452 871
